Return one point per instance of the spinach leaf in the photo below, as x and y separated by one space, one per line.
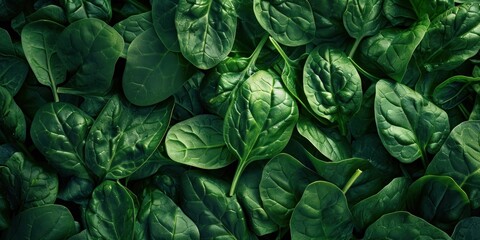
453 91
152 72
10 8
38 42
77 190
13 125
439 200
259 121
110 213
403 225
408 124
327 141
458 158
131 27
392 48
49 222
286 173
431 8
466 229
440 49
328 17
124 136
90 49
14 69
160 218
50 12
163 15
5 212
198 142
399 12
80 9
322 213
332 85
390 199
289 22
59 131
205 201
27 183
206 30
188 100
249 197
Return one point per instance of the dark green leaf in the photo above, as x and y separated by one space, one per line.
163 14
206 30
124 136
453 91
131 27
80 9
431 8
467 229
363 18
12 120
13 71
322 213
187 99
399 12
152 73
328 17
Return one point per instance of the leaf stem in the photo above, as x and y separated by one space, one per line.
364 72
464 111
256 52
354 47
55 93
241 166
352 179
281 52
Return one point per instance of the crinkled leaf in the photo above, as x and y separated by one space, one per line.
408 124
59 131
466 229
289 22
206 30
124 136
80 9
152 73
363 18
322 213
198 142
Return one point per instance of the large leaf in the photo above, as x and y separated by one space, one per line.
205 201
260 121
290 22
27 183
110 214
163 15
403 225
408 124
131 27
322 213
124 136
59 131
39 39
459 158
89 48
284 179
332 85
160 218
452 38
152 73
12 121
198 142
206 30
49 222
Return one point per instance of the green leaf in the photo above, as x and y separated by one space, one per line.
124 136
206 31
322 213
390 199
163 15
89 48
249 197
328 17
403 225
284 179
27 183
160 218
13 71
49 222
431 8
131 27
332 85
77 190
439 200
59 131
80 9
10 8
198 142
363 18
289 22
188 100
12 120
38 41
260 120
408 124
399 12
453 91
327 141
466 229
452 38
205 201
392 48
459 158
5 212
110 213
152 73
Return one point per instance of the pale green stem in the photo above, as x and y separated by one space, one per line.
352 179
